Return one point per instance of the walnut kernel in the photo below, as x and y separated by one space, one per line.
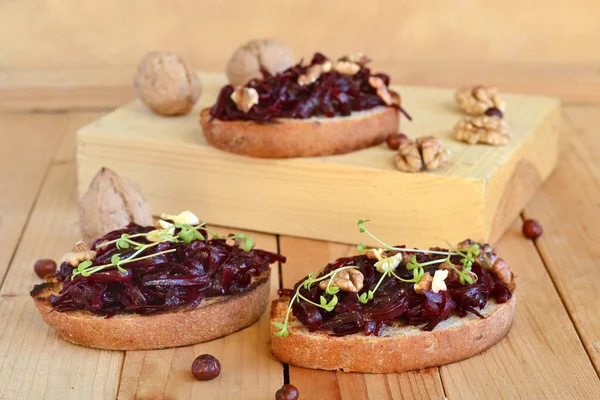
382 91
314 72
482 129
348 280
425 152
432 151
477 100
244 98
79 254
424 284
346 67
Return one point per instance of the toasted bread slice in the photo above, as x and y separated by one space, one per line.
301 137
399 349
215 317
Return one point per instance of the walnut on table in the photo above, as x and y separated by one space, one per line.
483 129
477 100
425 153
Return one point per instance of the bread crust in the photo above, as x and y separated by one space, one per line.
301 137
214 318
406 349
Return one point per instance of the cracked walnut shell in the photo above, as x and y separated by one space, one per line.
167 84
426 153
348 280
477 99
110 203
483 129
247 61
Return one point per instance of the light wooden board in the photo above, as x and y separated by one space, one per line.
323 197
542 356
248 370
52 227
571 221
306 256
27 144
37 364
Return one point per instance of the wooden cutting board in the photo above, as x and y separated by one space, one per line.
477 195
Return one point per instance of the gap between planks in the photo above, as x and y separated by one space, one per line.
568 207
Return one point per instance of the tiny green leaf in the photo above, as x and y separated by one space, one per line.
278 325
282 333
323 301
249 244
363 298
370 295
332 290
83 265
361 225
333 302
115 259
361 248
199 236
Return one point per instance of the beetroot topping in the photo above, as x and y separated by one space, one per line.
385 300
301 92
179 268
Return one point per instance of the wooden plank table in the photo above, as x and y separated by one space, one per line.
552 351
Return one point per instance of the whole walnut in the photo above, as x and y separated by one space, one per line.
167 84
110 203
248 60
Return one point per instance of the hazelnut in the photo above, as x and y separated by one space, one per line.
532 229
44 267
287 392
167 84
394 140
206 367
494 112
110 203
247 61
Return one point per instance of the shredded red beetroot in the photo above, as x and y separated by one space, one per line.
165 282
280 95
395 300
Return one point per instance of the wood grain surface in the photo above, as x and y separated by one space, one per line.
572 225
550 353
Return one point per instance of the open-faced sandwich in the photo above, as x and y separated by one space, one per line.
152 287
395 309
323 108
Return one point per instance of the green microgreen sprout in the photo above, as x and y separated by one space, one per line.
323 303
418 269
187 234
